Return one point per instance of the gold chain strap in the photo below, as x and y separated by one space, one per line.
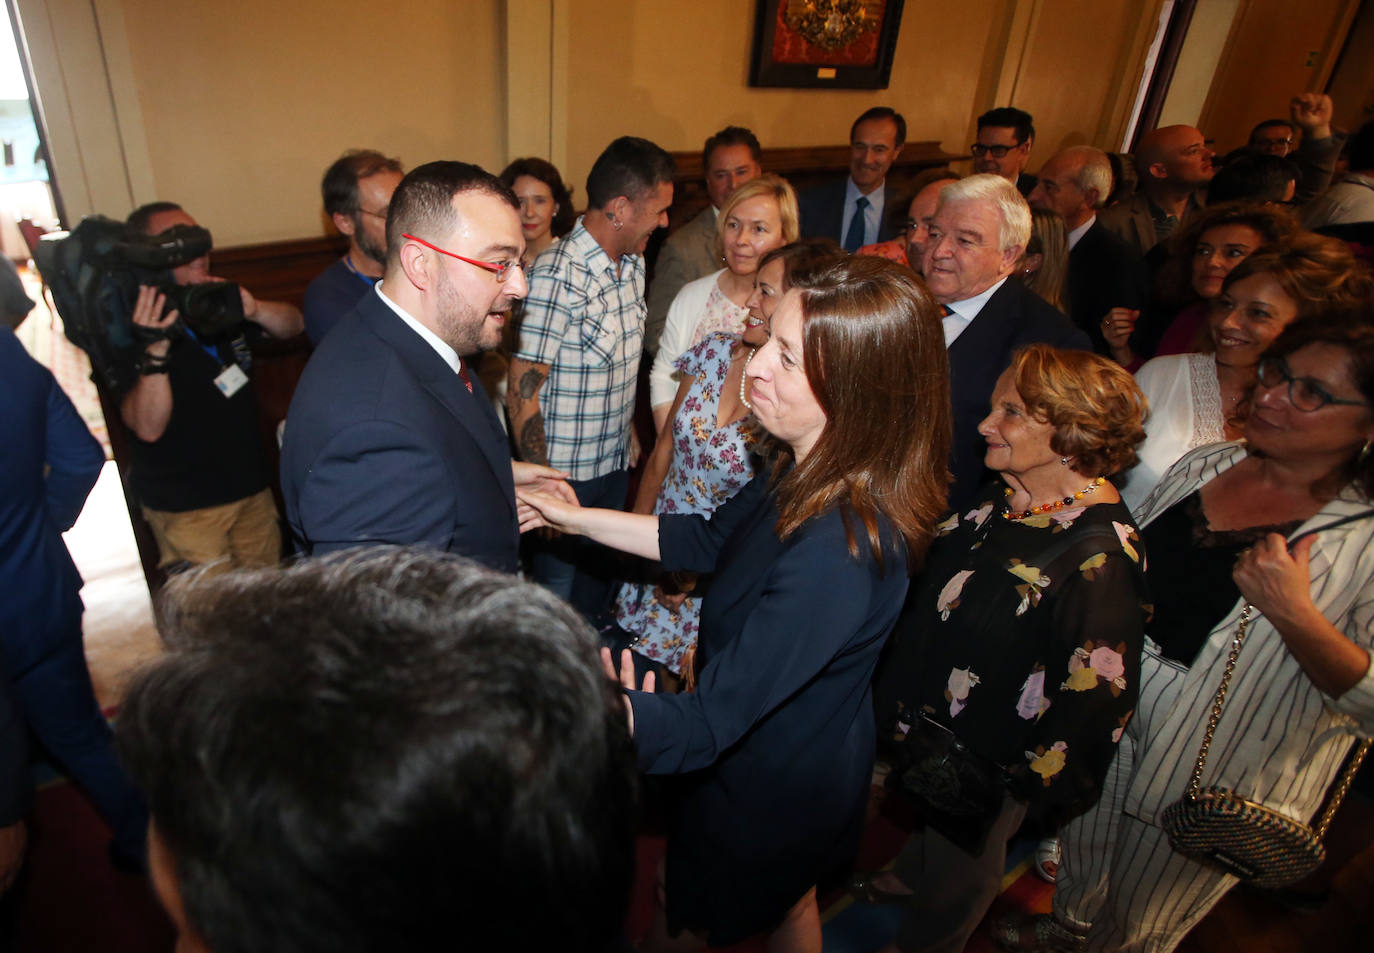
1195 781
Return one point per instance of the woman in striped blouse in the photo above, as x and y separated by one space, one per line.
1303 685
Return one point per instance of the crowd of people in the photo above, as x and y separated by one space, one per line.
978 476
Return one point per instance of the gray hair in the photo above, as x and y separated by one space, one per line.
1094 171
1015 230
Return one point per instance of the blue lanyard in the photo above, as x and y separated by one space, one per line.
371 282
212 350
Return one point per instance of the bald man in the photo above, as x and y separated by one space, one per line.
1172 163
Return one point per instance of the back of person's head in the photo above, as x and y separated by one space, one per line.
384 750
731 136
768 185
1094 172
1001 196
1009 117
1253 177
339 188
881 112
1094 404
873 349
1050 240
1124 178
545 172
1320 274
422 204
1360 148
1173 280
140 217
631 167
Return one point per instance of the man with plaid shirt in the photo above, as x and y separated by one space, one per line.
572 378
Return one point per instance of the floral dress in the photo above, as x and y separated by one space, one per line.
720 316
1024 638
709 466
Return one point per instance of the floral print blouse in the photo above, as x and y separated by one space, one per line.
1024 638
709 466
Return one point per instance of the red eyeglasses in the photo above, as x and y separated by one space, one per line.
502 270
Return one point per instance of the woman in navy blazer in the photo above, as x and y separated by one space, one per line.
774 750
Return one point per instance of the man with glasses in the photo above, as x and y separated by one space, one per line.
390 437
1005 138
357 191
571 389
858 211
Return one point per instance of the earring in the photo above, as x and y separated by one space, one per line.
1365 452
1063 461
616 224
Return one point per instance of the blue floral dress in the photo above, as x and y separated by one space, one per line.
709 466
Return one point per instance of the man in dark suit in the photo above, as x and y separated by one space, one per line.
829 211
51 464
976 241
1104 272
389 438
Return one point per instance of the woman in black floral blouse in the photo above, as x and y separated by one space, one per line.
1012 672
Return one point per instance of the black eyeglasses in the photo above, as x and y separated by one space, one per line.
1304 393
997 152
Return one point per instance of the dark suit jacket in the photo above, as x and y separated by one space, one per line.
1104 273
822 211
384 444
40 601
1014 316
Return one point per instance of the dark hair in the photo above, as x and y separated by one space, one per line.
138 219
1320 274
802 258
339 187
731 136
1253 177
1174 280
1009 116
1271 122
384 749
1360 148
873 349
1352 332
631 167
423 203
545 172
1094 404
881 112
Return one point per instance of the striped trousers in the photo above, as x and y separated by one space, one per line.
1119 880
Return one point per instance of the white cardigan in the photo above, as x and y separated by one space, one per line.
1185 413
684 314
1280 741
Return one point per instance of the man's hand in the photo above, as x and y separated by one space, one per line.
542 479
1311 112
148 314
13 841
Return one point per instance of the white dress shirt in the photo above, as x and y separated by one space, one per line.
441 347
965 311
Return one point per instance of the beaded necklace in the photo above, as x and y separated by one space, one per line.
1007 514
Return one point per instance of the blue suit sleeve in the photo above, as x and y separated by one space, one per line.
375 482
73 456
691 543
793 632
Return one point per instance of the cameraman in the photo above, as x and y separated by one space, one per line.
198 466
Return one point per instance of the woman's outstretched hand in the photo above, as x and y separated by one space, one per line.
539 507
626 678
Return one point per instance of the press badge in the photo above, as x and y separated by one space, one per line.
231 380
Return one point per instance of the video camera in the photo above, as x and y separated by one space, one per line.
94 272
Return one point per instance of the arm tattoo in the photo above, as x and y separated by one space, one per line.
530 381
533 447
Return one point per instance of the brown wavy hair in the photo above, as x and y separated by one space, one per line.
1094 404
874 353
1173 281
1320 274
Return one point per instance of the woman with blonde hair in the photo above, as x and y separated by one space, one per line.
1045 264
759 216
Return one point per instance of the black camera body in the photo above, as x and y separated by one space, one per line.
94 273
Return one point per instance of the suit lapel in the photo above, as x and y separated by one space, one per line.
473 411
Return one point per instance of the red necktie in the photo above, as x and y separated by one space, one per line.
463 376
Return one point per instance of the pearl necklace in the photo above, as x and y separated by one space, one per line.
1007 514
744 379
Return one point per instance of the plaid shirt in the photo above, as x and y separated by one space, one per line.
587 324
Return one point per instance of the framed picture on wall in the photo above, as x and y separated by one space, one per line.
824 44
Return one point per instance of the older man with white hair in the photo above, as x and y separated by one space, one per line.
1106 280
976 241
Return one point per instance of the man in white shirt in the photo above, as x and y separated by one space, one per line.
857 212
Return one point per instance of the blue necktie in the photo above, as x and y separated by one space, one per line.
854 238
